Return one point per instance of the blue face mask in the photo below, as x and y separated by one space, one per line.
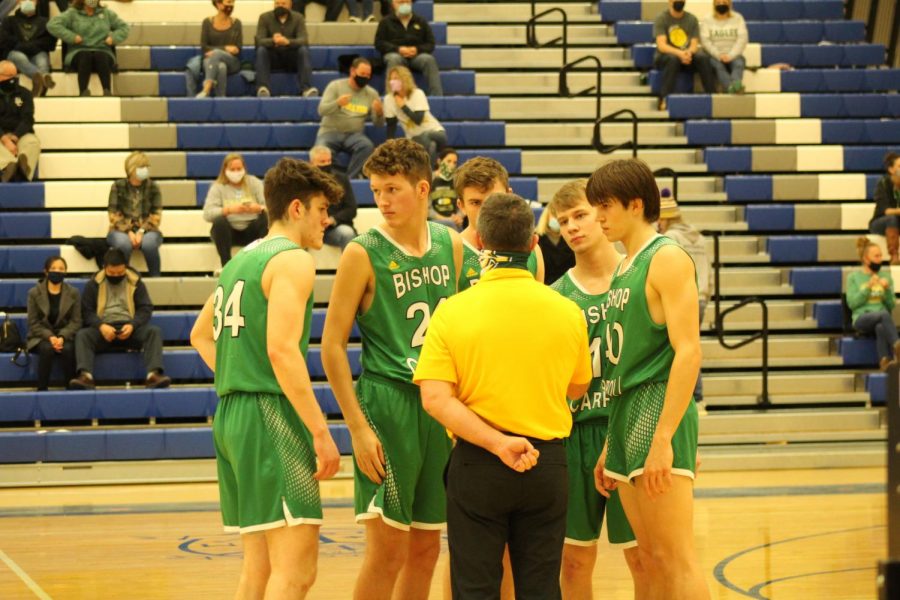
553 225
27 7
404 10
142 173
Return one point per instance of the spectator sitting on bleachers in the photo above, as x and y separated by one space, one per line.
406 104
54 318
20 148
116 310
135 212
235 205
870 297
90 31
443 206
724 37
405 38
361 10
282 44
677 34
344 107
886 220
221 38
340 231
332 8
25 41
558 256
673 226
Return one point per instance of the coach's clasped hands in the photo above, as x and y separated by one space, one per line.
517 453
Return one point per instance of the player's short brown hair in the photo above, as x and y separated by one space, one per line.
400 156
292 179
568 196
623 181
480 173
506 223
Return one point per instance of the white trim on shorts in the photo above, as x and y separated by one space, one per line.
619 477
375 512
582 543
624 545
427 526
288 521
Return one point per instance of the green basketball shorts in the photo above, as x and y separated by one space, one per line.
266 463
416 449
632 423
586 506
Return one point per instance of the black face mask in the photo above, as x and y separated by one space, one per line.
9 86
361 81
281 12
874 267
722 9
56 276
326 169
115 279
228 10
678 6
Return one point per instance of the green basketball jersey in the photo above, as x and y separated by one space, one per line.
472 265
594 404
240 318
636 350
408 290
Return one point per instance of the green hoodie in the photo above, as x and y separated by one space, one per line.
863 299
94 29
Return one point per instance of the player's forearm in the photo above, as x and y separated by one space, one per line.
458 418
684 373
340 377
293 378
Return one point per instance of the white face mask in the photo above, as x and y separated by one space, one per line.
142 173
235 176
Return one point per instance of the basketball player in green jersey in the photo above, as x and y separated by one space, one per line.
651 360
269 431
390 280
587 284
474 181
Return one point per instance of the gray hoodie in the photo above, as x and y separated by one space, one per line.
695 244
724 36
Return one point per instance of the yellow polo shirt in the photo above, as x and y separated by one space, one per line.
511 346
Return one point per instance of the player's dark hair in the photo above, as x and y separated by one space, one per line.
291 179
506 223
114 258
480 173
624 181
400 156
889 159
567 197
360 60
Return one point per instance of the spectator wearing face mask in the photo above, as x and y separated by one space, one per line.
886 218
345 106
407 105
221 37
724 37
677 34
870 297
443 206
236 207
340 230
406 39
54 318
90 31
282 44
43 7
25 41
558 257
135 213
19 146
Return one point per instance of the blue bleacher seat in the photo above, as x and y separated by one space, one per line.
75 446
22 447
858 352
829 314
883 131
793 249
690 106
25 259
729 160
755 10
708 133
25 225
72 406
865 158
764 32
18 406
135 444
816 280
133 404
183 403
876 385
194 442
21 195
768 217
684 84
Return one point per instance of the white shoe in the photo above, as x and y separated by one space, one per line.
263 92
355 20
370 19
202 94
310 92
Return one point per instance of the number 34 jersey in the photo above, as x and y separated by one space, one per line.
408 289
240 321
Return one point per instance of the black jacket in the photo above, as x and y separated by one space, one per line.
28 35
391 34
344 211
884 197
68 322
16 112
294 29
93 299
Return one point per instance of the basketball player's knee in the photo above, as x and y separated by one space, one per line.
635 560
576 564
424 553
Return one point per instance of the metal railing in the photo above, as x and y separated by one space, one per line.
597 142
531 31
667 172
763 334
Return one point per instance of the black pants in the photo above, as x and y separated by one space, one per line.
91 61
46 356
489 505
148 338
671 66
332 7
224 236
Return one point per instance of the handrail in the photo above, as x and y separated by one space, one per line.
597 143
667 172
531 31
763 334
597 89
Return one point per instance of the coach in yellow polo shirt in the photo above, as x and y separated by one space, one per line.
498 362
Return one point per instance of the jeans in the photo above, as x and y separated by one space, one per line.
332 7
881 323
356 144
217 67
150 244
88 342
340 235
39 63
193 75
424 63
93 61
732 72
671 66
224 236
46 356
883 223
283 59
433 142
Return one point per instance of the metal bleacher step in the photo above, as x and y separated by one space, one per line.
570 109
783 314
784 350
691 186
789 421
579 134
724 389
495 35
510 12
793 456
541 58
580 162
547 83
